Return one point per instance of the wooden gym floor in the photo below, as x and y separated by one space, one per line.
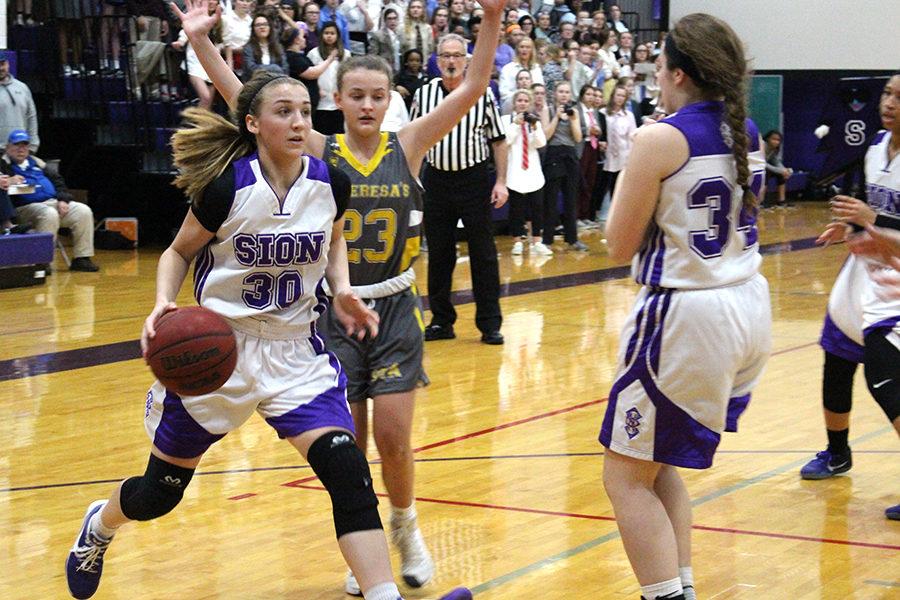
508 465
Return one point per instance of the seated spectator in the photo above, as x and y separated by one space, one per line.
263 51
200 81
774 167
7 210
544 29
526 22
410 78
50 205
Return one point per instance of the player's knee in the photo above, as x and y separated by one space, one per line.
837 383
155 493
343 470
883 374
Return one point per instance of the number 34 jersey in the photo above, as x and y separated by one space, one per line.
383 220
700 236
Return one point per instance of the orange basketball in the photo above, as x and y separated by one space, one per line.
193 351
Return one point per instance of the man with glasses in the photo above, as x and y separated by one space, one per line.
458 186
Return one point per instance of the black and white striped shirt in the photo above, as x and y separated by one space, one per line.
468 144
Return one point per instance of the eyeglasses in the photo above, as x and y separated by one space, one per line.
447 56
260 24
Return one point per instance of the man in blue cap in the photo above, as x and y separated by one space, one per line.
42 200
17 109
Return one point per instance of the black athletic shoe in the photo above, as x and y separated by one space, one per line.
439 332
83 263
492 338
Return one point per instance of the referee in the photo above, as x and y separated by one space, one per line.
458 186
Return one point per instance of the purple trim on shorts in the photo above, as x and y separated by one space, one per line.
736 407
202 268
243 171
653 245
637 330
328 409
882 325
178 434
679 439
836 342
318 170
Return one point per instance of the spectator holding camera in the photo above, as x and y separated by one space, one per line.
561 167
775 167
524 175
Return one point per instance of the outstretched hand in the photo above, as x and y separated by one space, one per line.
835 233
196 20
851 210
355 316
492 7
876 242
149 331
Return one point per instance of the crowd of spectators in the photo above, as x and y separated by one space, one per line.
587 80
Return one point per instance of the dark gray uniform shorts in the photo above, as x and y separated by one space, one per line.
390 363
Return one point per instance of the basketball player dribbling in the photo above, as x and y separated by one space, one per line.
696 342
878 318
266 228
384 224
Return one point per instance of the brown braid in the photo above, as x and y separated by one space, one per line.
717 54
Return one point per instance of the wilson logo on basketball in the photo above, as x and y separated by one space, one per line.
187 358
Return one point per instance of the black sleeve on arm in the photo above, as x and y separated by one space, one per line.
340 188
888 221
215 204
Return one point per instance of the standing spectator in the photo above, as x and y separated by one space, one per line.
539 97
457 186
327 119
17 110
632 105
620 132
416 30
330 13
552 70
524 135
544 29
775 167
506 49
526 22
561 167
593 129
358 21
556 13
311 12
606 57
524 60
50 206
615 19
410 78
300 67
263 51
387 40
625 53
523 82
237 27
580 69
440 23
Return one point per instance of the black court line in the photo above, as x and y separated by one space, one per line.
92 356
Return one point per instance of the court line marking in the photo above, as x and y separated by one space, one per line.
882 583
566 554
103 354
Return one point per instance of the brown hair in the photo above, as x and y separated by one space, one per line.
708 49
209 143
366 62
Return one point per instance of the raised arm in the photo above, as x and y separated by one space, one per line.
423 133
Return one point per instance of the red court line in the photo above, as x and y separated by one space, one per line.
241 496
553 513
508 425
791 349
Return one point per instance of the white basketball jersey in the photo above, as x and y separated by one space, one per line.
880 309
268 258
700 236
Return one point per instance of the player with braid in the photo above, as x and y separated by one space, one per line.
684 212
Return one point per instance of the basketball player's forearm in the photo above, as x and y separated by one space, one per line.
170 274
338 273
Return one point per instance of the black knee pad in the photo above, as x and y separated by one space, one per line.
156 493
344 472
882 369
837 383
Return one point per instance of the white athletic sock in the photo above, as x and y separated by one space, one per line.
100 529
383 591
686 574
403 514
662 589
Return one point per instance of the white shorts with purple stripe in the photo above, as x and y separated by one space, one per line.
294 384
881 307
688 360
842 331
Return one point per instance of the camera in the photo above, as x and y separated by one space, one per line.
569 108
530 118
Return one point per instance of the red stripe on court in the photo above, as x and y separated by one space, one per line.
508 425
791 349
241 496
553 513
298 482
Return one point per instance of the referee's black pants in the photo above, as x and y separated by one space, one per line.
466 195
